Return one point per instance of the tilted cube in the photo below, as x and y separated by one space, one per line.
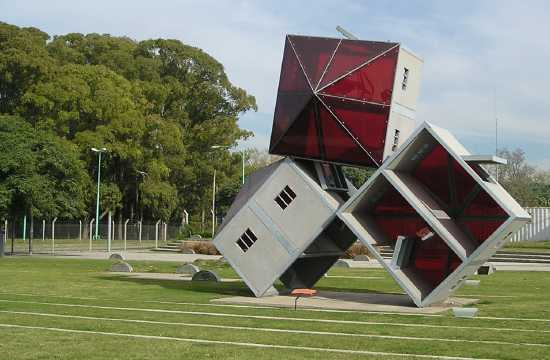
438 208
344 101
283 224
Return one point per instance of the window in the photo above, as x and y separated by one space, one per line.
395 140
285 197
331 176
405 78
247 239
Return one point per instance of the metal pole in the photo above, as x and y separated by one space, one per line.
91 227
109 233
97 198
242 156
139 231
53 235
43 230
79 230
214 203
24 227
165 231
125 228
5 230
186 217
157 234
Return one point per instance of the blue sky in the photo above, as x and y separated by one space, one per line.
472 50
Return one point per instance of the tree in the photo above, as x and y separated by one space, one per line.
517 176
40 174
155 104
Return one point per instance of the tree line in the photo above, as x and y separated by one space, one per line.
158 106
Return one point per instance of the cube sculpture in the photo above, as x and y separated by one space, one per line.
283 225
441 211
344 101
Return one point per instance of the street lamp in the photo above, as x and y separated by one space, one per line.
214 185
143 175
99 151
242 156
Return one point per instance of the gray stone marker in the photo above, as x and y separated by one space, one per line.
486 269
471 282
187 269
341 264
361 257
206 275
467 312
116 257
185 250
121 266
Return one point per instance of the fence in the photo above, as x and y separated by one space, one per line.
538 229
55 236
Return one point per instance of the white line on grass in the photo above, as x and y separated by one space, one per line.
223 305
248 328
264 317
234 343
355 277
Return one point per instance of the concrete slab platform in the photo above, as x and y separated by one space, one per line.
394 303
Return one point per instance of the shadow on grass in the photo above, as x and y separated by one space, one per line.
224 289
221 288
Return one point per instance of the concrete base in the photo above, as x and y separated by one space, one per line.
397 303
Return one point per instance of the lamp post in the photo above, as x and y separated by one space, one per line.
143 175
242 156
99 151
213 210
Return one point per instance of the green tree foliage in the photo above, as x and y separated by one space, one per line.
158 106
40 173
527 185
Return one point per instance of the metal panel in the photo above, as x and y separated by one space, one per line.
260 265
407 97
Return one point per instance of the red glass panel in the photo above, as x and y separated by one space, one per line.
338 144
367 122
481 229
372 82
484 205
350 55
433 172
314 54
464 183
395 216
391 203
301 139
433 260
293 95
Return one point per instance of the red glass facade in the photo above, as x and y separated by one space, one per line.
341 90
459 194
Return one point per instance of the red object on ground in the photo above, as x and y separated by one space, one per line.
303 292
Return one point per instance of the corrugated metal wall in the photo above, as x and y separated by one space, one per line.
539 227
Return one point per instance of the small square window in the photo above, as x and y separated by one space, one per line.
395 140
285 197
405 79
247 239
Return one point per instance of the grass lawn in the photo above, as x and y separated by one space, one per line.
529 246
71 308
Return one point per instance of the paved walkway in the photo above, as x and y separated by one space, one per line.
147 255
140 255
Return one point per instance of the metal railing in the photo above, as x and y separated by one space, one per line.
538 229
